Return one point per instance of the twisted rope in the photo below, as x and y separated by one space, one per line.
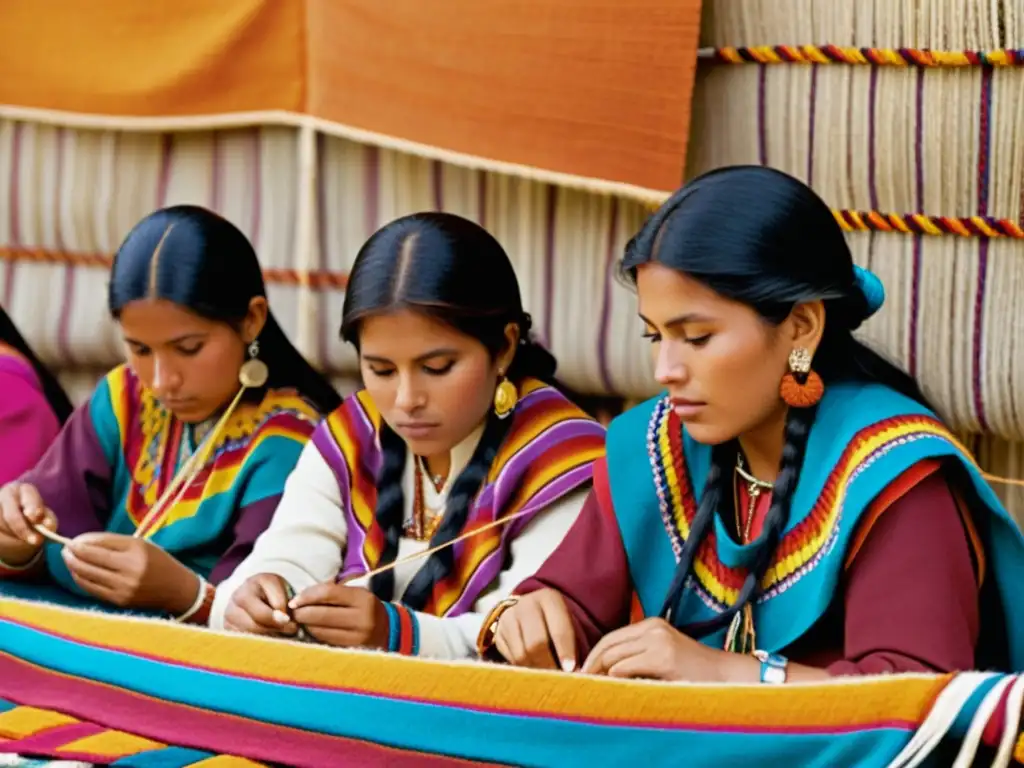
987 227
884 57
921 224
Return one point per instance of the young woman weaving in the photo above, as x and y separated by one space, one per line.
456 429
790 508
159 485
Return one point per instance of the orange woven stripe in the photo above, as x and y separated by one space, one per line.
318 280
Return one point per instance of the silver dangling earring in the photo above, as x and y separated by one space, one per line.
254 372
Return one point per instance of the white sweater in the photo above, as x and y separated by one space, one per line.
306 540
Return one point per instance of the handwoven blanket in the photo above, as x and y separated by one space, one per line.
105 689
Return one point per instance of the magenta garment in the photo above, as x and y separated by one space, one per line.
28 424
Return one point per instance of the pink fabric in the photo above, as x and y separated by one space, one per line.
27 422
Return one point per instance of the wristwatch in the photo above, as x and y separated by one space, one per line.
773 667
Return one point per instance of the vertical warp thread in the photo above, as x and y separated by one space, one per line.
606 298
915 283
984 170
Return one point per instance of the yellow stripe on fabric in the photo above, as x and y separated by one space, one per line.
227 761
340 432
865 448
111 744
496 687
672 481
523 434
223 479
117 383
20 722
479 550
369 407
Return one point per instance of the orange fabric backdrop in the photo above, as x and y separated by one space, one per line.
153 58
595 89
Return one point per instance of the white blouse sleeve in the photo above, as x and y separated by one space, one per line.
305 541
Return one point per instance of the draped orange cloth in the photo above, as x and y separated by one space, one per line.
597 90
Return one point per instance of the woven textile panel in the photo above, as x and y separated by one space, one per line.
592 93
114 690
931 149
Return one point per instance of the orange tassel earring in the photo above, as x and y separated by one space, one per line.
801 387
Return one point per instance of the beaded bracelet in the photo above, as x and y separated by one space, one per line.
204 600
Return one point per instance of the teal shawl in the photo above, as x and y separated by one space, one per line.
863 438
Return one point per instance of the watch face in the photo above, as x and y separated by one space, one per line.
774 675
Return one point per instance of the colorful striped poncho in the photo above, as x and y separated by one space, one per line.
106 689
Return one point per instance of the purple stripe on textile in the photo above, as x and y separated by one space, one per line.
355 535
217 173
549 263
256 164
64 346
606 298
323 339
163 181
12 214
371 190
915 282
481 197
362 435
812 109
984 175
437 182
762 108
491 566
872 158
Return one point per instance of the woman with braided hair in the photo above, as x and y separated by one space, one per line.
790 508
458 429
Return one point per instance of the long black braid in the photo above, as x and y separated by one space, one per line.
453 270
762 238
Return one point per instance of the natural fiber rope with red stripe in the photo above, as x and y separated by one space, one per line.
885 57
320 280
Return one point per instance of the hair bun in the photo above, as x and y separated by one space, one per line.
525 326
871 288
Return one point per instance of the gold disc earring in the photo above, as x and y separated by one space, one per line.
254 372
505 398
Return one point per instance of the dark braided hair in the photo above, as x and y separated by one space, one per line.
452 270
52 390
760 237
